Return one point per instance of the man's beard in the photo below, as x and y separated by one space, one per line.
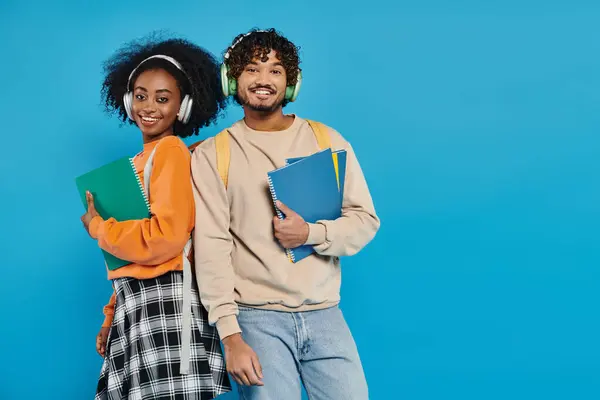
264 108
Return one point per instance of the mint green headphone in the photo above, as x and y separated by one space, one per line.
229 85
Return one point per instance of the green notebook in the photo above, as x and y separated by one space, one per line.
118 193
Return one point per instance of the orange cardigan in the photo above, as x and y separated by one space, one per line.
153 245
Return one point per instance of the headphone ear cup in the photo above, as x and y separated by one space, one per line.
185 110
232 86
127 103
225 80
291 92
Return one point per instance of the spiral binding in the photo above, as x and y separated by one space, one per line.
139 181
289 252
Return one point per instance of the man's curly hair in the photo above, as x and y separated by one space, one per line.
258 44
203 84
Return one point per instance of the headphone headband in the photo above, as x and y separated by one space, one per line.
161 56
226 56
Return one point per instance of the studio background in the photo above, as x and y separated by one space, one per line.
476 124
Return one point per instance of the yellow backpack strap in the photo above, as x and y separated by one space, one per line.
324 142
223 155
321 134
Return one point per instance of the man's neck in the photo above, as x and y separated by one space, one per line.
267 121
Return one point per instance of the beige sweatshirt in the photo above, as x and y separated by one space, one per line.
238 259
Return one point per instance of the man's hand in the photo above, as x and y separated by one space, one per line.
101 340
91 212
242 362
292 232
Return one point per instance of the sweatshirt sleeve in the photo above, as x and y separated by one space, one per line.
109 311
155 240
358 224
213 242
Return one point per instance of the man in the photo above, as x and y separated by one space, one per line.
279 322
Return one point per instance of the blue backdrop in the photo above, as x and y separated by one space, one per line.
477 128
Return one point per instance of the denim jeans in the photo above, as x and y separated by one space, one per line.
314 348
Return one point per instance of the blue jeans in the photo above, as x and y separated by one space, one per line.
312 347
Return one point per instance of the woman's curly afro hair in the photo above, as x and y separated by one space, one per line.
203 85
257 45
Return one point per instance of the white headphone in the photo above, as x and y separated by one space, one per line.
185 111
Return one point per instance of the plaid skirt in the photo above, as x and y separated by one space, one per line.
144 345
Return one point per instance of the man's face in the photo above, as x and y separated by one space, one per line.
261 85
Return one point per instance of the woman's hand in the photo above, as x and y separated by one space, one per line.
91 212
101 340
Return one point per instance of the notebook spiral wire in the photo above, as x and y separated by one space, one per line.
139 181
289 253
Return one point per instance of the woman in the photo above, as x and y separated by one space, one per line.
155 339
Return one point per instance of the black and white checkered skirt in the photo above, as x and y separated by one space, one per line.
144 345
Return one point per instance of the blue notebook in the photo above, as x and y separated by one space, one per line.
309 187
341 157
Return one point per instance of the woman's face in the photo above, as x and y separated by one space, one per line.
156 102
